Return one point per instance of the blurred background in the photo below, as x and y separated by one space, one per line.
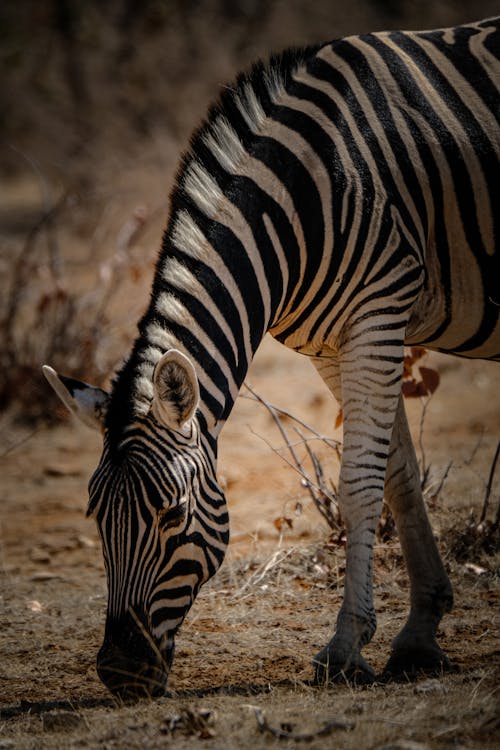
98 99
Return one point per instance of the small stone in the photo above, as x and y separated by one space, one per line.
62 470
60 721
431 686
85 542
404 745
44 575
39 555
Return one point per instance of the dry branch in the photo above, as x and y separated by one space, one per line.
44 317
285 731
323 497
488 489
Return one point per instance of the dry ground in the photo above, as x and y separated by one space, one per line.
249 639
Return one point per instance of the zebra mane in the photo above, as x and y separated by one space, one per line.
249 99
221 140
231 124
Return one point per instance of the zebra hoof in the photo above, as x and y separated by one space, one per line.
408 664
353 671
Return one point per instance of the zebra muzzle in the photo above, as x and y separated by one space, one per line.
130 662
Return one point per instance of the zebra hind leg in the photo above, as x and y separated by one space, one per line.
415 648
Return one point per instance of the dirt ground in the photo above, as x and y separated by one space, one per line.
244 653
242 672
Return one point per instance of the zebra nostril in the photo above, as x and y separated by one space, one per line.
130 664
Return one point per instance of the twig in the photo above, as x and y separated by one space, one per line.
18 443
306 479
17 286
284 733
468 461
488 489
284 413
439 487
276 559
325 501
425 469
279 424
319 493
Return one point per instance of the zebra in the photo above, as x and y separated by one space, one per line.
343 197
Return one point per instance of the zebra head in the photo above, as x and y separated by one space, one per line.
162 520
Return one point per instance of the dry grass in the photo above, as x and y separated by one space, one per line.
243 654
242 671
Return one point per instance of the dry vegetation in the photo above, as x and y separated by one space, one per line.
99 104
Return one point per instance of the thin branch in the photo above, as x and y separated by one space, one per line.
307 482
284 413
279 424
319 493
17 287
326 500
286 733
425 469
468 461
488 488
276 558
443 479
18 443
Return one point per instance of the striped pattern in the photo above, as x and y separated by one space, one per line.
344 198
176 534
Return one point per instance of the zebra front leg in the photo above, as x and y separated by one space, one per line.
341 658
370 383
415 648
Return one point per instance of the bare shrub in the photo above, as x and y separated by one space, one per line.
469 540
322 491
466 540
50 316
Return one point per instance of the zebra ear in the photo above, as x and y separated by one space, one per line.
176 390
86 402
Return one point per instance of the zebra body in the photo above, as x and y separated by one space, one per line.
345 199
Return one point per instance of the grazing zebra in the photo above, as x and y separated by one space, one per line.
346 198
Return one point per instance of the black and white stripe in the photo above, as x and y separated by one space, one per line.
151 511
346 199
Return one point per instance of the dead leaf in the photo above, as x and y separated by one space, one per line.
430 379
477 569
417 352
44 576
62 470
281 522
191 721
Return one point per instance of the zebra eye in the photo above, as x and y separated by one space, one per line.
171 517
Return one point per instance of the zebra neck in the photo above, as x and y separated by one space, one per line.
213 300
233 254
214 296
